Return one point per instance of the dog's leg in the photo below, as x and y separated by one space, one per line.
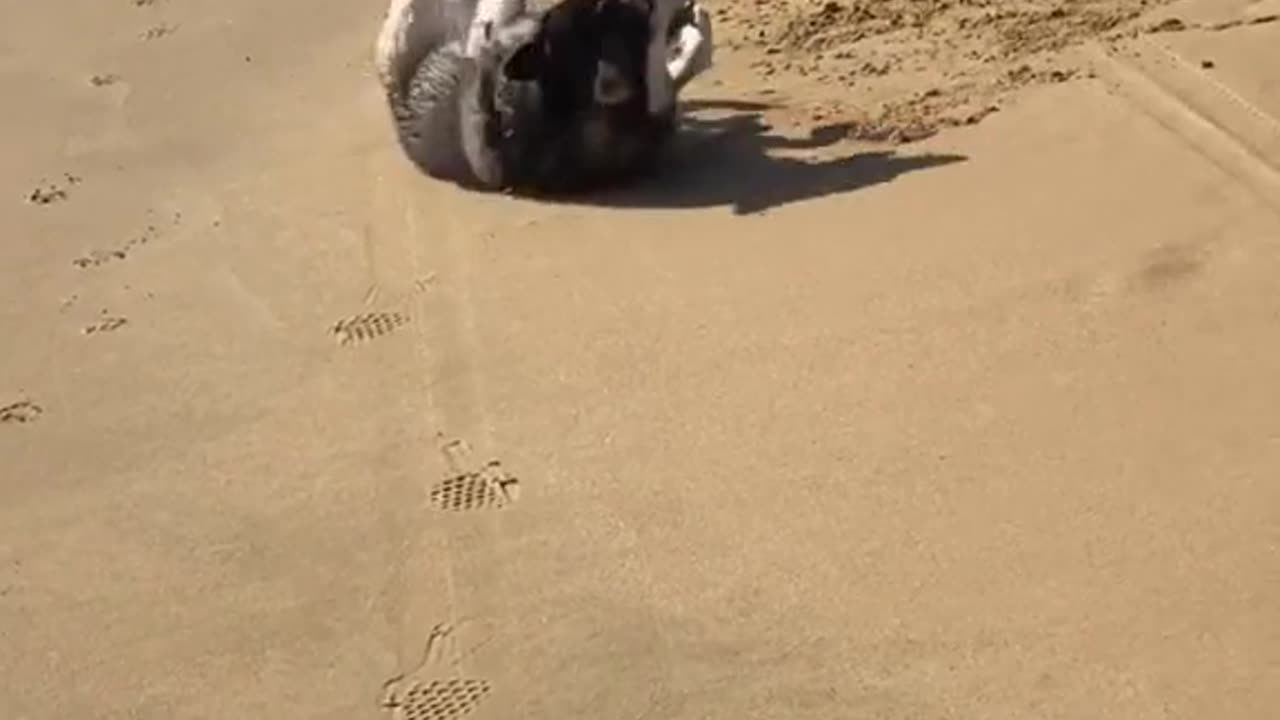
693 49
478 112
661 88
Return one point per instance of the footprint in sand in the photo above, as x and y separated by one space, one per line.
105 324
435 690
20 413
98 258
158 31
468 486
48 193
489 488
362 328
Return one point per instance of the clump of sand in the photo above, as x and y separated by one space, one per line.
900 70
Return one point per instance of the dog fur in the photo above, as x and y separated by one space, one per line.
485 93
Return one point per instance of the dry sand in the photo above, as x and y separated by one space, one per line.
940 379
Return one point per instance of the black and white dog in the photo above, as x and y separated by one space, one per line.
488 94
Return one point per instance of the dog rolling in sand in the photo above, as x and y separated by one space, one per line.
490 95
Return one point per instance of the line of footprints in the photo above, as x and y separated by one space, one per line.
435 690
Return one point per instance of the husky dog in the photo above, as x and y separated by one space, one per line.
488 94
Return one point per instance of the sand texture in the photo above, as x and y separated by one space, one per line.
937 378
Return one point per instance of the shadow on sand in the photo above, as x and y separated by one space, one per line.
723 156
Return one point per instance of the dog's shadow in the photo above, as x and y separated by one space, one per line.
727 159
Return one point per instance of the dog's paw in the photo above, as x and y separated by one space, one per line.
692 48
705 47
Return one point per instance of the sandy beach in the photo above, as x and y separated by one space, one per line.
937 376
